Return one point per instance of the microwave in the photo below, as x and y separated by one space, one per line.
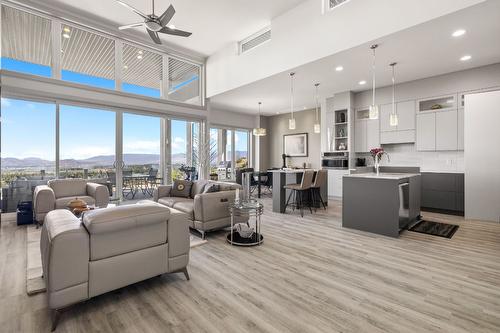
342 163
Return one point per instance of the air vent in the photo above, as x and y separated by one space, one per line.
255 40
336 3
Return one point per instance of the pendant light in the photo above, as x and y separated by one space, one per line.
291 121
394 115
259 131
317 126
373 108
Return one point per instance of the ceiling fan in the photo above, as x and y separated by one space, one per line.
155 24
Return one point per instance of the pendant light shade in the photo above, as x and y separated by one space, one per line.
291 121
259 131
317 125
373 113
393 120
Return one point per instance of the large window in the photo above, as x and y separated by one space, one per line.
87 142
184 147
28 149
183 81
26 42
87 58
231 147
142 71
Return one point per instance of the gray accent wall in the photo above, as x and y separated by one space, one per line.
278 126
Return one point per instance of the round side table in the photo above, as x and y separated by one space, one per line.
252 210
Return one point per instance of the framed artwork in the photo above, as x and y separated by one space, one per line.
295 145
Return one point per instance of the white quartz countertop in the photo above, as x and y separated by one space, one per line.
292 170
383 175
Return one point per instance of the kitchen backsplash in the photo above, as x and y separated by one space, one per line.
407 155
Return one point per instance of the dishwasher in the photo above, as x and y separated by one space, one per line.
404 205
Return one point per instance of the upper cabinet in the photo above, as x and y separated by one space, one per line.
439 126
404 132
366 132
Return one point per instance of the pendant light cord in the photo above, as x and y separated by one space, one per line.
373 71
291 93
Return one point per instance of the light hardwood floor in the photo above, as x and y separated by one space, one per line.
310 275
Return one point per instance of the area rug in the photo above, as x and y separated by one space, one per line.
435 228
34 280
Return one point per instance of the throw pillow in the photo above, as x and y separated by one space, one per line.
181 188
211 188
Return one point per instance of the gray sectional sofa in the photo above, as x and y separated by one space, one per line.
206 211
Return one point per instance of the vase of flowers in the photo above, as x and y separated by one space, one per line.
377 154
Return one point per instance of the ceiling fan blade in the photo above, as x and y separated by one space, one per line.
175 32
154 36
133 25
138 12
167 15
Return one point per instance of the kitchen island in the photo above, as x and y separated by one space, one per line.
291 176
384 203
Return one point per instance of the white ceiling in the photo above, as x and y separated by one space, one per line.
422 51
213 23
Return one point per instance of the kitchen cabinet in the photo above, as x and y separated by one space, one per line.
404 132
335 181
443 191
426 131
460 136
446 130
366 135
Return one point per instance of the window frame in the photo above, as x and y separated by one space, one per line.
57 23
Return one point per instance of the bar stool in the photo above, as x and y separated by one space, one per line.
315 188
299 191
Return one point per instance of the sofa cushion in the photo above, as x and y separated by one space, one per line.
127 228
62 203
171 201
227 186
68 187
181 188
198 187
186 207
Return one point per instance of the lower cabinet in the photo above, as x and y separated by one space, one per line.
443 191
335 178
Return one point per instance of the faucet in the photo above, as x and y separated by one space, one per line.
378 157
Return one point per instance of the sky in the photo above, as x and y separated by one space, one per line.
28 128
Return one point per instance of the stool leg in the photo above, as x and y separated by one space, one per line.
320 198
289 196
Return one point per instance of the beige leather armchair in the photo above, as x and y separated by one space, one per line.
110 249
59 192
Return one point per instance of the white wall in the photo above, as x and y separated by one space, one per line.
304 34
486 77
482 156
230 119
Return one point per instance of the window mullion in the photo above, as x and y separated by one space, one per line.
56 49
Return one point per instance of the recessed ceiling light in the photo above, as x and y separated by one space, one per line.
458 33
125 67
466 58
172 27
139 56
339 68
66 29
362 82
66 35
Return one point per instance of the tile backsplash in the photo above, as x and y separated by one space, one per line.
407 155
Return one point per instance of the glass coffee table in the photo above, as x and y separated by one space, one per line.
252 210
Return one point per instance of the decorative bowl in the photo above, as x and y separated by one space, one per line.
243 230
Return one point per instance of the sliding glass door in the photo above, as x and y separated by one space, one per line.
87 146
28 147
231 152
184 149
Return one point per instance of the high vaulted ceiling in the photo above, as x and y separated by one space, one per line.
422 51
214 23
